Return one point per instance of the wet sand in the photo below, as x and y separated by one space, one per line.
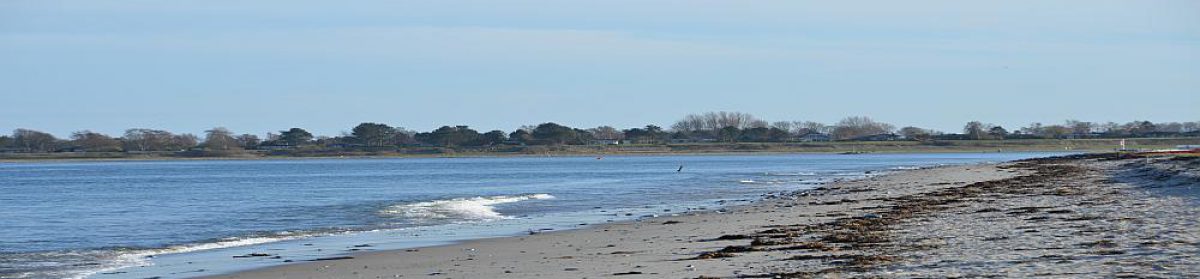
1089 216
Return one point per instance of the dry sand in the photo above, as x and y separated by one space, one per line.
1093 216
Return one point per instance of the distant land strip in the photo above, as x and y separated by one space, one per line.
712 132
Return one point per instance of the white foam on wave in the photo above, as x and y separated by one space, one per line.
477 208
225 243
73 264
790 174
123 259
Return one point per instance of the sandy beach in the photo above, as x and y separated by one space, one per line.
1086 216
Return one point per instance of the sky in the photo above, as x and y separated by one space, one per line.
262 66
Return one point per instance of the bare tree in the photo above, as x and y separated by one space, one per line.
859 126
607 133
783 125
689 123
977 130
1079 127
140 139
34 141
720 120
1034 128
807 127
182 142
247 141
715 121
914 133
92 141
220 139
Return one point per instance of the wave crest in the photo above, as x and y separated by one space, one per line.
477 208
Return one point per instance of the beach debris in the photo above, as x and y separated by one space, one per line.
253 255
733 237
712 255
738 249
809 246
627 273
332 259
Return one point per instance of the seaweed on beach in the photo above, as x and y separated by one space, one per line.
867 241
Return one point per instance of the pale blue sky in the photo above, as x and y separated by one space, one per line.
325 66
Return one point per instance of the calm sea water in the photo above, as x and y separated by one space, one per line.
187 218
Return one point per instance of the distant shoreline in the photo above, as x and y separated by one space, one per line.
831 147
100 159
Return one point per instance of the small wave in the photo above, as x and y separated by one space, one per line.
69 264
851 173
85 263
477 208
905 168
790 174
762 182
224 243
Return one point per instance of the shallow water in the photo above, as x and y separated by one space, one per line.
181 218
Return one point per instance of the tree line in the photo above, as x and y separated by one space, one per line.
704 127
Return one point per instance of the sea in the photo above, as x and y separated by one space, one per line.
182 218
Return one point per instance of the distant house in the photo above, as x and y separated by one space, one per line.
816 137
879 137
604 142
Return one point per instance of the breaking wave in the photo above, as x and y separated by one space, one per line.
477 208
84 263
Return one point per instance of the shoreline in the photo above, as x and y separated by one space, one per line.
441 250
836 230
521 155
